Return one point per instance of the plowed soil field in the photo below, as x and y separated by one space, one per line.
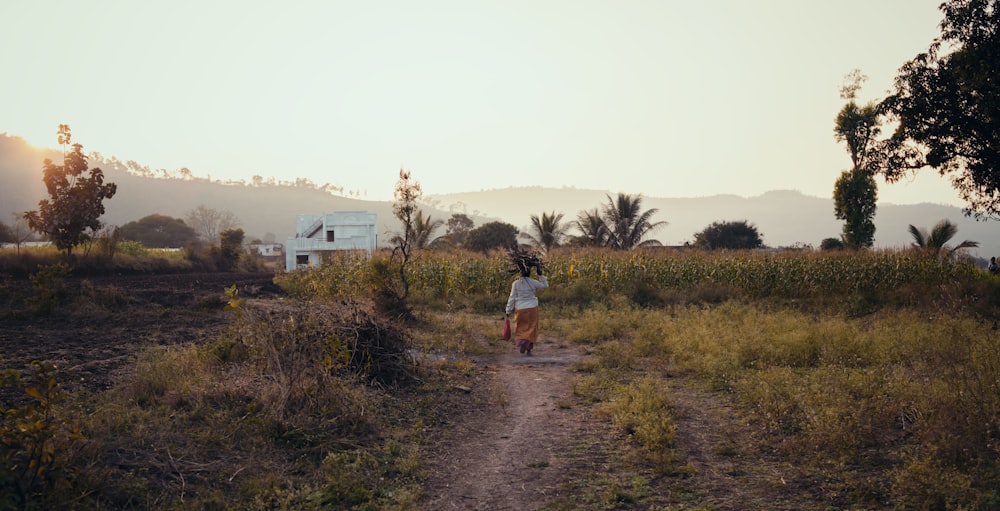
104 321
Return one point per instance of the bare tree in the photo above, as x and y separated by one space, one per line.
19 231
407 193
209 223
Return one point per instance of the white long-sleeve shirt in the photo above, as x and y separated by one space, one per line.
522 293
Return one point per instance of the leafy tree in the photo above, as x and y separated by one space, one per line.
936 242
831 244
159 231
423 230
230 248
209 223
547 231
73 210
459 226
857 126
729 235
855 193
627 224
947 106
491 235
593 230
854 197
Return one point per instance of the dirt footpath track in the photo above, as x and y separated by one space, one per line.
520 448
525 446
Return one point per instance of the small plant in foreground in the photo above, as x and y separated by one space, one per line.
642 410
34 441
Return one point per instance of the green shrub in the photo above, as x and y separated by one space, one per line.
35 442
49 283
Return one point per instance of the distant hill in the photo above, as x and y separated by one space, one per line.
784 218
262 210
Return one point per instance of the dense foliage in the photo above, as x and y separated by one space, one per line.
729 235
627 226
159 231
71 214
547 231
491 235
854 198
458 225
947 104
855 193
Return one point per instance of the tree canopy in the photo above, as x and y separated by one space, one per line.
855 193
73 210
831 244
627 225
458 226
159 231
547 231
854 197
936 241
729 235
423 230
593 231
946 105
491 235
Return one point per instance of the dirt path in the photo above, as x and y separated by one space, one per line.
526 446
517 451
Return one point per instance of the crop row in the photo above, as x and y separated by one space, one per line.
790 274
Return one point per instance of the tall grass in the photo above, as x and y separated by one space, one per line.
290 409
904 404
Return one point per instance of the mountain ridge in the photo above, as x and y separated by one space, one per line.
783 217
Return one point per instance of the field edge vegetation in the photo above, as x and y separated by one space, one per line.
884 363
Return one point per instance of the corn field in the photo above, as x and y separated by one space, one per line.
756 274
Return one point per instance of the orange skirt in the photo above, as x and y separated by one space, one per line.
526 324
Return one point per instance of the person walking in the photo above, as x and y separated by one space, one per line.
523 301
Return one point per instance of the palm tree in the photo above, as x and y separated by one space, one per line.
937 241
423 230
547 231
627 224
594 233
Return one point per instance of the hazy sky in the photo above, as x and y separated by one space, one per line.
665 98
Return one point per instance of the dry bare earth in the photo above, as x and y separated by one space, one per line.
94 342
518 449
526 446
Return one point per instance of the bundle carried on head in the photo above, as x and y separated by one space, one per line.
522 261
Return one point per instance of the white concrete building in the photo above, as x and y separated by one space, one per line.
316 234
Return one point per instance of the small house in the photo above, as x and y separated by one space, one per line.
267 251
316 235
